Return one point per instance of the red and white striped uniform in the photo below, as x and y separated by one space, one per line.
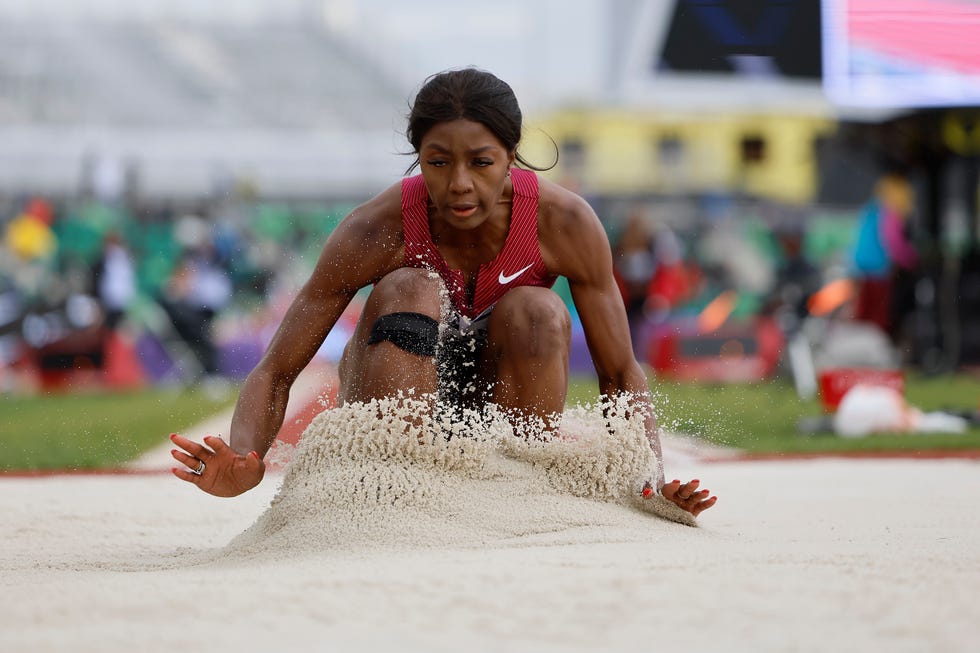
519 263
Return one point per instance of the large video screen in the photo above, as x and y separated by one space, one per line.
902 53
779 39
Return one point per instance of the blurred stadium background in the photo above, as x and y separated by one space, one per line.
170 169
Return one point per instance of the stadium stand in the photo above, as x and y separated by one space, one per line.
288 104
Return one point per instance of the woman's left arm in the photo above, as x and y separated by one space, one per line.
574 245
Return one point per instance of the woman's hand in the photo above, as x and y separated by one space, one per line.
217 470
686 496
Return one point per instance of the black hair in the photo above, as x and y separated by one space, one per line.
470 94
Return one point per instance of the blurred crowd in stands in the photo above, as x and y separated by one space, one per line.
160 286
191 292
793 266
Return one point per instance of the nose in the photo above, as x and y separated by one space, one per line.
460 181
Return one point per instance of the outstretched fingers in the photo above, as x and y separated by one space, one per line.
196 450
186 459
185 474
193 456
701 506
688 496
215 467
216 443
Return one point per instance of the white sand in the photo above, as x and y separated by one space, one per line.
492 552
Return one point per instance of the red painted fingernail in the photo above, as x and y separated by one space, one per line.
173 435
647 491
254 453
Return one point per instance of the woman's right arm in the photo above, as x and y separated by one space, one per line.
363 248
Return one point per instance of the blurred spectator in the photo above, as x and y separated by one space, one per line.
114 280
673 281
797 278
726 249
33 246
29 235
198 289
653 278
635 264
882 248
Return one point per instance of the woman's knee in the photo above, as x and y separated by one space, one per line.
531 322
403 309
406 290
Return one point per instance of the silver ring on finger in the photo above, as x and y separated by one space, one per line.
200 468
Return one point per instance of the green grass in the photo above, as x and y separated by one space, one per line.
104 430
763 417
96 430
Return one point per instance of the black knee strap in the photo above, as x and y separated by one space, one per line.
414 332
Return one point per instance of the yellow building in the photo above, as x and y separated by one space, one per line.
613 152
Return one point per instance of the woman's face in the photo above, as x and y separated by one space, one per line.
465 170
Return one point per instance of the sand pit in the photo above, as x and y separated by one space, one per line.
493 552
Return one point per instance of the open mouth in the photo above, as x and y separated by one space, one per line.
463 210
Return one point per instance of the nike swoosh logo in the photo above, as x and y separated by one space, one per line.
504 279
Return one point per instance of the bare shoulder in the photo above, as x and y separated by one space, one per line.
377 219
560 208
568 229
366 245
